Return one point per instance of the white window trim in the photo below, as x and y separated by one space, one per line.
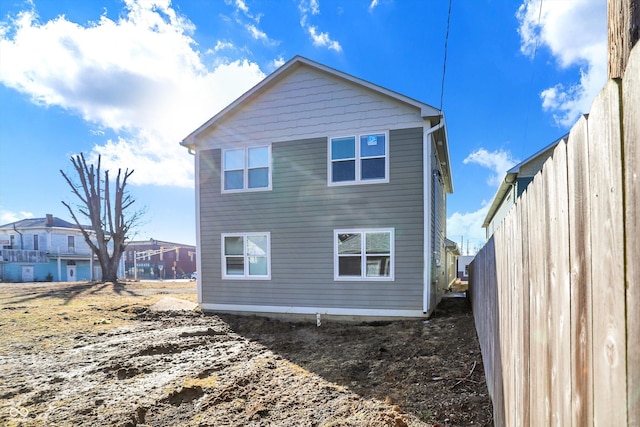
364 278
358 159
245 176
246 264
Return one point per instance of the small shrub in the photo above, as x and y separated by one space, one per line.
49 277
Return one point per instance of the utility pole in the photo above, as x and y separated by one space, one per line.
623 25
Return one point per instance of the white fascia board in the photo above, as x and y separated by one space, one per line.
331 311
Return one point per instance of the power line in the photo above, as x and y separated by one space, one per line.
446 44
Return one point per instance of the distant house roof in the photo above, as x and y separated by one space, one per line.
435 115
154 242
517 171
48 221
451 246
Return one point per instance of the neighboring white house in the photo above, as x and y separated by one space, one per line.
514 184
319 193
46 249
463 266
452 255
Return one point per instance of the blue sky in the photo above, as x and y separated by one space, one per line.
128 80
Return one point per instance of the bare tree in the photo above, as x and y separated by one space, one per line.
108 217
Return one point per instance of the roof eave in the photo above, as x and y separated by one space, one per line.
442 148
506 183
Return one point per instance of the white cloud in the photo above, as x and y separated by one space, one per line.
498 161
140 76
318 38
7 217
467 227
309 6
220 45
575 32
322 39
242 12
277 62
241 5
258 34
373 5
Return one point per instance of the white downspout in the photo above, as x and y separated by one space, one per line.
427 252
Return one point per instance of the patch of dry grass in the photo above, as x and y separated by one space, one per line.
46 317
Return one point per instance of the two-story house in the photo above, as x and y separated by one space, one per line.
319 193
41 249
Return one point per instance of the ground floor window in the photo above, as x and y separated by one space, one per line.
364 254
246 256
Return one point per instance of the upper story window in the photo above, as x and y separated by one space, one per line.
246 169
362 159
36 241
71 244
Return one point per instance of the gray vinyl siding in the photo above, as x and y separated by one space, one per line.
438 233
301 213
307 104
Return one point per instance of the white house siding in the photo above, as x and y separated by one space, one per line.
307 104
507 203
301 213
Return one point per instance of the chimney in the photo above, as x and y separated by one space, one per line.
49 222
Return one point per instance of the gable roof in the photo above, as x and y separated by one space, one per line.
426 111
49 221
434 115
39 223
512 175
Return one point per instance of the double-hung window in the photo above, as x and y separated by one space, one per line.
364 254
246 169
360 159
246 256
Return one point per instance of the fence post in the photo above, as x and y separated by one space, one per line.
623 18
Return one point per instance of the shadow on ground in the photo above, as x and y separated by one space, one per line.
431 369
68 293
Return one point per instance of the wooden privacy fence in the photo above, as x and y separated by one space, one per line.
556 290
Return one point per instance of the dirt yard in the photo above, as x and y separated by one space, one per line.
93 354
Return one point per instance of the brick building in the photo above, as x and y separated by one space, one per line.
157 259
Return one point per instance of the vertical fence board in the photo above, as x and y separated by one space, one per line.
607 238
540 404
498 389
502 268
525 327
631 122
580 259
549 301
560 288
508 309
515 252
